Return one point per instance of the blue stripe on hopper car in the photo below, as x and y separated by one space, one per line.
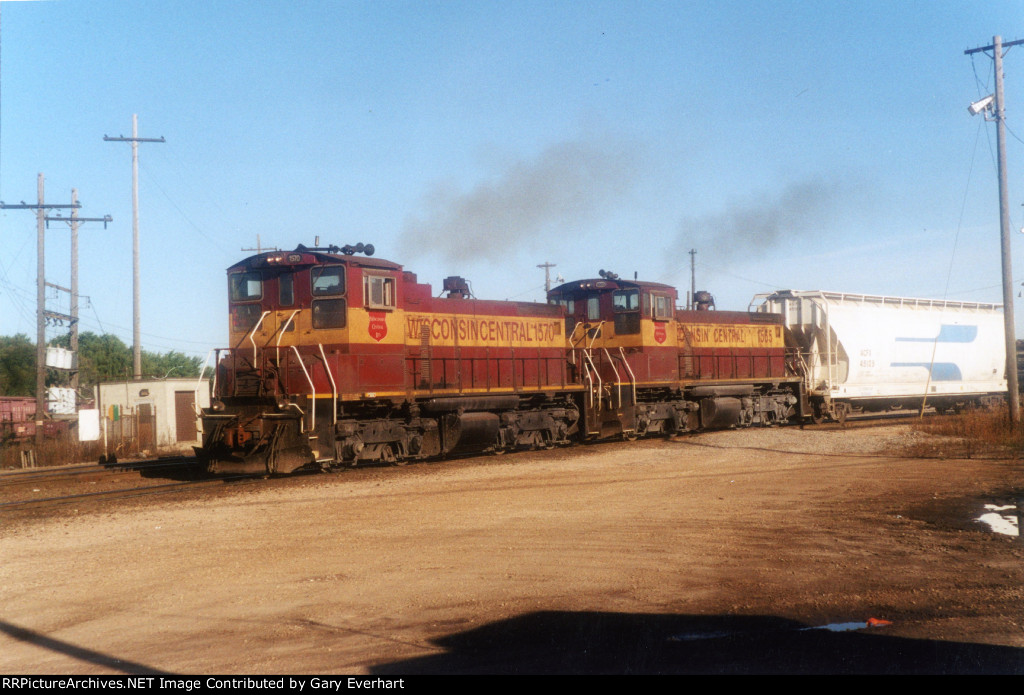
949 333
941 371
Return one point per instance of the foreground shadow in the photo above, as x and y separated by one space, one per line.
621 643
75 652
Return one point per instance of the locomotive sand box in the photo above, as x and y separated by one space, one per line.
340 358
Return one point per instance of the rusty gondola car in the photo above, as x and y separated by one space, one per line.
341 358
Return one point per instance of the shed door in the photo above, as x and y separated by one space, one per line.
185 416
147 425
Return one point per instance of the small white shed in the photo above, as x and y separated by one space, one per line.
157 413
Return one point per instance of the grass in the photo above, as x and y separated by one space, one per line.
57 451
969 434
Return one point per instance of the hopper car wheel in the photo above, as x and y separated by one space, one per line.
842 411
817 416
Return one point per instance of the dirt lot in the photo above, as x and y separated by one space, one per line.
706 554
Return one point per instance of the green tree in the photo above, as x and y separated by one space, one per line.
102 358
170 364
17 366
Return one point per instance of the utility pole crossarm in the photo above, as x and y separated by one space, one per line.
39 206
971 51
122 138
106 219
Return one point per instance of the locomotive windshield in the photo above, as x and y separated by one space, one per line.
328 280
627 311
245 287
627 300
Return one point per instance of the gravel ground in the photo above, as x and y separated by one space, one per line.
704 554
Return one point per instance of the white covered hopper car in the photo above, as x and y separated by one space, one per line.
865 352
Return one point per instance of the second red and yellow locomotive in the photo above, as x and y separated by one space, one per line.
340 358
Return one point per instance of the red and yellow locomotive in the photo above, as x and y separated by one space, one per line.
341 358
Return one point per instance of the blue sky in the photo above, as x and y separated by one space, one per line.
807 145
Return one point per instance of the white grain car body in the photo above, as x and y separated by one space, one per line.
875 352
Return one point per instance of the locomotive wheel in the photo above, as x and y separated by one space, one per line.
817 416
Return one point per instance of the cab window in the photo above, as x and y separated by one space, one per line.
329 313
663 308
328 281
244 317
247 286
286 289
570 314
378 291
626 300
627 311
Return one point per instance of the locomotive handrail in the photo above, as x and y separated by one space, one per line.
255 355
597 332
632 377
199 382
573 334
334 386
312 389
590 384
586 354
281 331
618 381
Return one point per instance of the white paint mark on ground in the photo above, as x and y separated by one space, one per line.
1001 519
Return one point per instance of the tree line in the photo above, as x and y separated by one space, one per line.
100 358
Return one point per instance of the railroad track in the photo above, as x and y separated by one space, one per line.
24 475
115 494
40 488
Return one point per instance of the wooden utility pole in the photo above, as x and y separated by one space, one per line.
41 207
693 278
547 276
74 221
260 248
999 108
135 140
